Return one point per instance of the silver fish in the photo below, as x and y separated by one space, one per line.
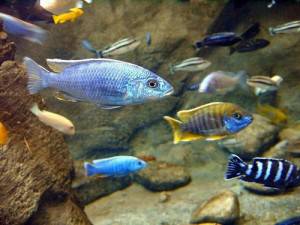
20 28
192 65
262 84
291 27
120 47
107 83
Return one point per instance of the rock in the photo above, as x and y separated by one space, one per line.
222 208
291 134
161 176
88 189
278 151
36 166
253 140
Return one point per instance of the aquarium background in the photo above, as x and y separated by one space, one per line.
47 185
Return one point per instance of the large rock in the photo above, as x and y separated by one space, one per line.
161 176
88 189
222 208
36 166
253 140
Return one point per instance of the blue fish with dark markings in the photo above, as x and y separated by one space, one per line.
117 166
249 46
107 83
290 221
274 173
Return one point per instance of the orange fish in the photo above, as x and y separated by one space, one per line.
3 134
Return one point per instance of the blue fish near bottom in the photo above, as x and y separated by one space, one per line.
275 173
117 166
290 221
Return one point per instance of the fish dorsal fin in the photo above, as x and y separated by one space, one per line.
102 161
58 65
185 115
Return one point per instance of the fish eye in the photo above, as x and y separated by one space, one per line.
237 115
140 163
152 83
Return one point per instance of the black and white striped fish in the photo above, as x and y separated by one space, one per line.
275 173
120 47
291 27
191 65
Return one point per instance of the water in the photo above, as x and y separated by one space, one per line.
43 180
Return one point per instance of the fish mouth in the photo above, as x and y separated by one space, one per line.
170 92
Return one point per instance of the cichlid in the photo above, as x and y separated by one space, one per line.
120 47
22 29
290 221
275 173
191 65
69 16
221 81
117 166
291 27
276 115
107 83
249 46
54 120
262 84
3 134
61 6
213 121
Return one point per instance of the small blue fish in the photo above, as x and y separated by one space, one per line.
148 39
107 83
22 29
219 39
275 173
117 166
290 221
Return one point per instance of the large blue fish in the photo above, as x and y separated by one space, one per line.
290 221
20 28
107 83
275 173
115 166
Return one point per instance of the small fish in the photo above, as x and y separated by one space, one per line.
22 29
224 39
221 81
191 65
290 221
3 134
291 27
213 121
88 46
107 83
54 120
120 47
69 16
148 39
58 6
276 115
117 166
262 84
275 173
249 46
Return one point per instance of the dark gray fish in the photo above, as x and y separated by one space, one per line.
249 46
275 173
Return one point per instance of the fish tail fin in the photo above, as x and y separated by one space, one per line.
171 69
35 109
36 76
90 169
271 31
175 124
251 32
88 46
55 19
235 167
232 50
242 77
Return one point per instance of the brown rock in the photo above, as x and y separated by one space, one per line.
223 208
36 166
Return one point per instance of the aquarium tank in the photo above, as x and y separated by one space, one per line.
149 112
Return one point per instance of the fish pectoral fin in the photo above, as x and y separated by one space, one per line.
215 138
61 96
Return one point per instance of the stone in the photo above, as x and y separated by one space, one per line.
290 134
278 151
222 208
88 189
253 140
162 176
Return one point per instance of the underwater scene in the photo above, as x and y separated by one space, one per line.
149 112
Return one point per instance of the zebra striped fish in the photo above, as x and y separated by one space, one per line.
120 47
275 173
262 84
291 27
213 121
191 65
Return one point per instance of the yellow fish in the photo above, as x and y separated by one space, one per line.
213 121
277 116
69 16
3 134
